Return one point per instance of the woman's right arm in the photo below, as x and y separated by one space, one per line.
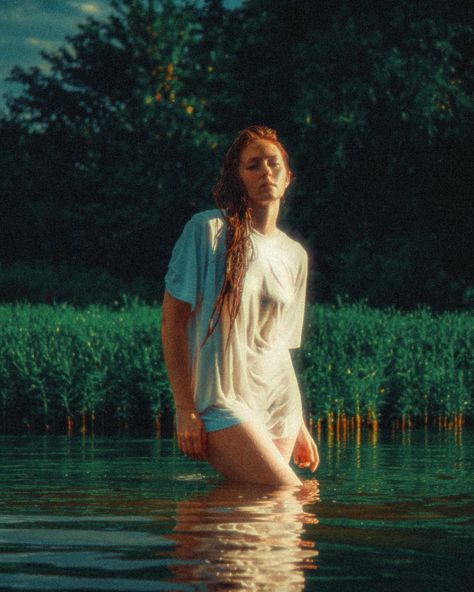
189 427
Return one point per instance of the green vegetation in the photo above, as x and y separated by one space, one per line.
373 364
65 369
41 282
61 366
108 150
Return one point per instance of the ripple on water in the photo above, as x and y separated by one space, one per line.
119 514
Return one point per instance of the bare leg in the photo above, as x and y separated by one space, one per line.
246 453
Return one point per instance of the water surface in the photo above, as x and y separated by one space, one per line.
387 512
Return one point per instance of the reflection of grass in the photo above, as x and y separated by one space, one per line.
61 366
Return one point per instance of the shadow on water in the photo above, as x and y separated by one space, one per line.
388 513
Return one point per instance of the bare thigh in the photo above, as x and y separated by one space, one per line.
246 453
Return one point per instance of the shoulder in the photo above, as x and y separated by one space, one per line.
207 221
294 249
206 217
204 230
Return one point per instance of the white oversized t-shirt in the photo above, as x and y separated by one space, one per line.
253 376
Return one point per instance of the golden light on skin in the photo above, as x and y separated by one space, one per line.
263 172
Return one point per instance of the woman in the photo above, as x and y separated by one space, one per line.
233 306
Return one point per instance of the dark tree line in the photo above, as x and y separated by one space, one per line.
107 154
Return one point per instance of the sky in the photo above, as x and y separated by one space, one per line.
29 26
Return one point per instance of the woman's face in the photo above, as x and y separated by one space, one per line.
263 172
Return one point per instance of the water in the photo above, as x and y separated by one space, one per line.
392 513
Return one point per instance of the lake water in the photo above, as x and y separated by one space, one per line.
392 512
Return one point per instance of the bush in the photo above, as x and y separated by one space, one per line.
102 366
373 363
45 282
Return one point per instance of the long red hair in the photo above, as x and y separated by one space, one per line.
231 198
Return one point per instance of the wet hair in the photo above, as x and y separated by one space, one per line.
231 198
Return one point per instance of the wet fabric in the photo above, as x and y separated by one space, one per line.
253 375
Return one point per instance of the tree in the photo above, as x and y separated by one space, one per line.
385 89
122 140
370 97
118 140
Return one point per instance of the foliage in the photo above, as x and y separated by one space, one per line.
59 363
108 153
381 363
43 282
374 101
116 140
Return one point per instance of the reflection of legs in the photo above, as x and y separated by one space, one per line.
246 453
239 535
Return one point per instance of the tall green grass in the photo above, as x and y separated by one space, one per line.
102 369
59 364
382 364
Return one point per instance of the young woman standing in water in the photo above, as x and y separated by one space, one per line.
233 307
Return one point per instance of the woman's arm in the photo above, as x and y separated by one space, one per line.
305 452
189 427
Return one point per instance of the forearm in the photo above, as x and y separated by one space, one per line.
176 355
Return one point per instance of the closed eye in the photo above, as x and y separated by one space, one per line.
273 163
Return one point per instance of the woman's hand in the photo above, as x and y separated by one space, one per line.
305 452
191 434
174 326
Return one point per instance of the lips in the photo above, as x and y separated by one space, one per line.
263 185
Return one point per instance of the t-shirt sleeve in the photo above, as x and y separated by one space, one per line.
295 312
185 276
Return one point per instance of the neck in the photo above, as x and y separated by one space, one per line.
264 216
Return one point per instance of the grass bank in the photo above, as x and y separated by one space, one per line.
97 368
368 365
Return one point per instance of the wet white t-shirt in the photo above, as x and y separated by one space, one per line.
253 376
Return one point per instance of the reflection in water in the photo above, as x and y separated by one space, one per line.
245 537
135 515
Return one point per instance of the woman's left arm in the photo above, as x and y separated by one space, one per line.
305 452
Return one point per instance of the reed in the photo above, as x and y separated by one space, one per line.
373 365
67 370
